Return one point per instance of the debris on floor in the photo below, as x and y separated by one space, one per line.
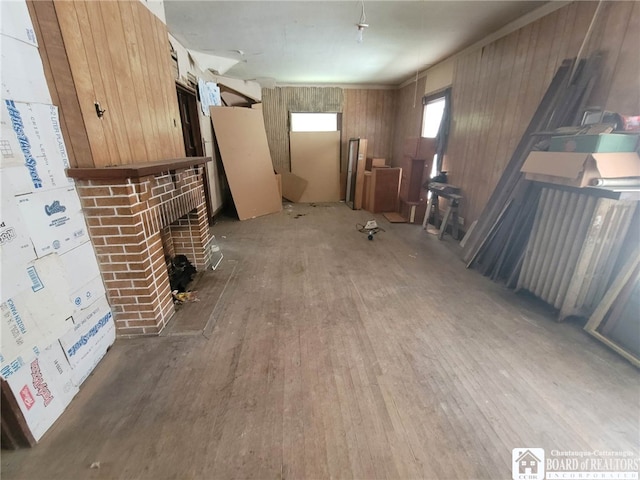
216 253
182 297
181 272
371 228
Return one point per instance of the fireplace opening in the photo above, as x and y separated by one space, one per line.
178 247
181 272
137 216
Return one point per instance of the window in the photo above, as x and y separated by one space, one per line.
432 117
436 114
314 122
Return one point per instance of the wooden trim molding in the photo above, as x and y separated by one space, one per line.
135 170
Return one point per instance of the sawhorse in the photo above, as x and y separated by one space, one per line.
450 214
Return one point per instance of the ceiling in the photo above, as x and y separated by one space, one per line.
315 42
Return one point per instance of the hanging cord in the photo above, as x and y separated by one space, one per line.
415 94
587 36
363 16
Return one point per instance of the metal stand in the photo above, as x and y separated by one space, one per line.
450 193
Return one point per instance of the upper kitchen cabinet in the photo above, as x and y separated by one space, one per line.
108 69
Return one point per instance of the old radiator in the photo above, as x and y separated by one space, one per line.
572 249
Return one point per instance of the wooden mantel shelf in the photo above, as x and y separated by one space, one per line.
135 170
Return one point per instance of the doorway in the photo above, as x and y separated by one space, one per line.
188 105
193 145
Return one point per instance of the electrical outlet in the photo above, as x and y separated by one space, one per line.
461 220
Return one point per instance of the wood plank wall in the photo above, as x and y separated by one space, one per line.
278 102
497 89
366 113
408 117
369 114
115 53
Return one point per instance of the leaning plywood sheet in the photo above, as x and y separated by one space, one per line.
315 156
293 186
247 162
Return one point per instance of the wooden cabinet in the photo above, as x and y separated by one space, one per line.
382 191
108 66
381 186
416 171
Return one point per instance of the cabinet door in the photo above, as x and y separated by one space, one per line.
109 64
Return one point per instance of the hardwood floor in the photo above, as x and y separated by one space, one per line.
328 355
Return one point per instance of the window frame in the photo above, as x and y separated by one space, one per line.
337 116
443 130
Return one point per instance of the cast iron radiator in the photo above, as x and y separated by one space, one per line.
573 248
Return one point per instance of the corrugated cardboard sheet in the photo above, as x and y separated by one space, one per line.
577 169
43 388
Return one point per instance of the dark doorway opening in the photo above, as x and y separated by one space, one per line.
193 144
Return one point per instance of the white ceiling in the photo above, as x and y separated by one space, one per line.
315 42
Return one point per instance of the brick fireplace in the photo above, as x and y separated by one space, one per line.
136 215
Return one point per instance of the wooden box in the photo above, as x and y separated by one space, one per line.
374 163
383 188
416 172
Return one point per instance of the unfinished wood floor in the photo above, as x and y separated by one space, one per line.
329 355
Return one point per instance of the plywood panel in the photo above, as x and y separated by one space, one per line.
366 113
292 186
115 53
109 149
119 53
278 102
247 164
315 156
60 80
111 100
497 89
135 62
148 73
170 108
160 123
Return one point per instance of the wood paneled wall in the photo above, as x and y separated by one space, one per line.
115 53
497 89
369 114
366 113
408 117
278 102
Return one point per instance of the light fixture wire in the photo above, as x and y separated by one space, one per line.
362 24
